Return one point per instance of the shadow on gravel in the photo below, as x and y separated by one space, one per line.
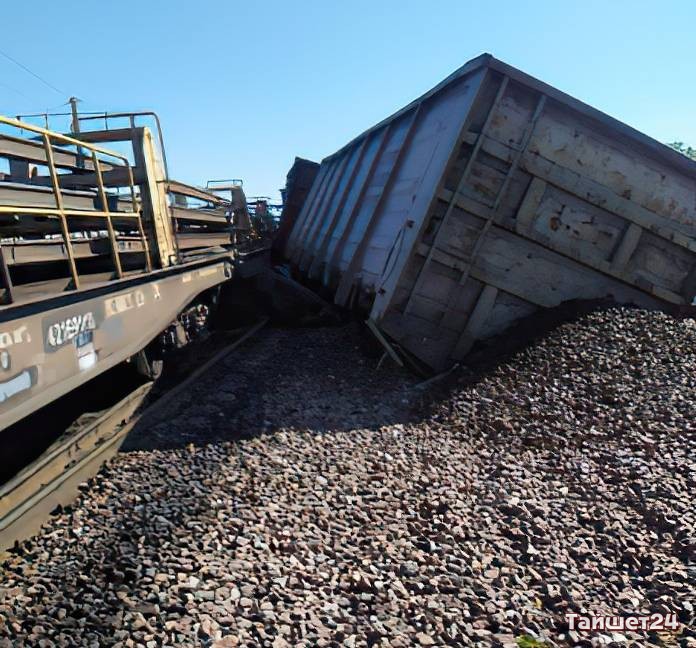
26 440
324 380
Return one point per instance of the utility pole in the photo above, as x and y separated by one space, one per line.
75 127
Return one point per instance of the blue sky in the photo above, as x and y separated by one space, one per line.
244 87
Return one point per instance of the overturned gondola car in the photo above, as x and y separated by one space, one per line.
488 198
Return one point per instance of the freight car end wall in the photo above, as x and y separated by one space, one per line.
489 197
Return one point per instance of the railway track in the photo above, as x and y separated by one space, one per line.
28 498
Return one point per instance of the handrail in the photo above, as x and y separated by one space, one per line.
59 136
50 138
105 115
234 182
132 115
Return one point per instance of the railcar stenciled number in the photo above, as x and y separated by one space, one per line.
61 333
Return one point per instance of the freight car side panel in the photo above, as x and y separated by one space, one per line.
423 163
596 155
369 150
606 216
47 354
319 218
510 274
376 185
606 208
295 244
318 248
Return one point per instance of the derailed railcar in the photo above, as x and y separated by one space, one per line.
489 197
297 185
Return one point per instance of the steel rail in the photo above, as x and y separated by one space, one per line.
27 500
53 211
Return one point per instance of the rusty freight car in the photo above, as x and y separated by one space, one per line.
492 196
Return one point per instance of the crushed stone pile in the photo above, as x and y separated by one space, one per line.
299 497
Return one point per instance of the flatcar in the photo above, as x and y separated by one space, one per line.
103 258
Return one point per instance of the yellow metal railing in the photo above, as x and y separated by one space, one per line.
63 214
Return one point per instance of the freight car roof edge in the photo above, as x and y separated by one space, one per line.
669 155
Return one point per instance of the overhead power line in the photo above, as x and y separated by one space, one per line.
26 69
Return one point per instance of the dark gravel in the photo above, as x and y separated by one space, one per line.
299 496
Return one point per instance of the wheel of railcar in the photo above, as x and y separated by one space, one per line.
148 366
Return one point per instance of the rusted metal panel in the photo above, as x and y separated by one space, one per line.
491 196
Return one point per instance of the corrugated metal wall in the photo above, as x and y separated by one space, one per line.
366 193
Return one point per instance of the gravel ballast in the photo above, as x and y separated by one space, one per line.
300 496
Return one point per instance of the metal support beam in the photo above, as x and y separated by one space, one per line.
462 181
348 276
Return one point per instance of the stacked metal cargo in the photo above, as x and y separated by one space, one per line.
489 197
